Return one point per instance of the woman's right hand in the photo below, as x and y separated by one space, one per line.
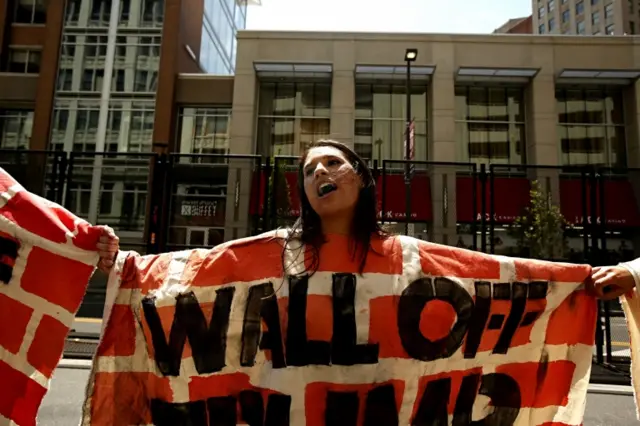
108 246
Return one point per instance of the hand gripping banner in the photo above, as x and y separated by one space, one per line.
47 256
428 335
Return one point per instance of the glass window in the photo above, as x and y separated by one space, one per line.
204 130
541 29
30 12
632 27
594 2
552 5
580 27
72 12
541 11
15 128
595 19
579 7
24 61
490 124
291 115
552 24
381 120
152 13
590 123
609 29
608 11
566 16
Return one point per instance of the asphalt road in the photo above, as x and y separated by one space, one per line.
62 405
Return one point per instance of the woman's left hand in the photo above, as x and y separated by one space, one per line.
611 282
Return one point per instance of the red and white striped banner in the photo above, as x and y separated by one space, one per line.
428 335
47 256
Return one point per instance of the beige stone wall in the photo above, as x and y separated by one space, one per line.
549 54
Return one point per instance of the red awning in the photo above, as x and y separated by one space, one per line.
620 204
511 198
394 190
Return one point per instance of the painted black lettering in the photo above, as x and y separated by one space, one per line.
464 402
342 408
208 343
432 410
8 248
252 408
174 414
300 351
222 411
262 304
505 398
381 408
478 318
344 350
414 299
518 304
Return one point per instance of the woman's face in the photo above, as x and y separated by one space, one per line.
331 183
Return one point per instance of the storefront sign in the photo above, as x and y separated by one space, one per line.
200 208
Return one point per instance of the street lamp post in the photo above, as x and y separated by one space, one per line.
409 56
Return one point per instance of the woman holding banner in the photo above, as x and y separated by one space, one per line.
337 196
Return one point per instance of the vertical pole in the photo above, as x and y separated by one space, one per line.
483 207
407 154
492 209
104 113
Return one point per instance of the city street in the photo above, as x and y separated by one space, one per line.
62 405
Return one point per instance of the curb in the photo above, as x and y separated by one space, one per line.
623 390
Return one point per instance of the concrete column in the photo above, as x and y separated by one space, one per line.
542 141
442 146
343 92
242 141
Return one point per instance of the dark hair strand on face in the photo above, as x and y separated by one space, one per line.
308 230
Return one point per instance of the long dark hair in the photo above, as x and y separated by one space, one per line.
307 228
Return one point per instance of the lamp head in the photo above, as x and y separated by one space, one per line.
411 55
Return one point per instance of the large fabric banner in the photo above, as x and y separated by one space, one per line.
47 256
427 335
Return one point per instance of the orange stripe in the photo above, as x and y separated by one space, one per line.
542 384
531 270
384 257
145 272
440 260
576 313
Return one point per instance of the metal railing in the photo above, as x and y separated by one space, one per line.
178 201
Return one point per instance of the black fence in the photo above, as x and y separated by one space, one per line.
172 202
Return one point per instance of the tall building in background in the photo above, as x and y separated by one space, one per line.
516 26
586 17
221 22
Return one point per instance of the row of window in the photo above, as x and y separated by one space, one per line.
490 124
550 25
97 13
143 13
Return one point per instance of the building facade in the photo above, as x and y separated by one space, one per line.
512 101
174 157
516 26
586 17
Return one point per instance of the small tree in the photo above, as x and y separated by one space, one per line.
540 230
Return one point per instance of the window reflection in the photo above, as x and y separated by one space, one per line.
292 115
15 128
380 125
591 127
204 130
490 124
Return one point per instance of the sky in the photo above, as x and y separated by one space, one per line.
401 16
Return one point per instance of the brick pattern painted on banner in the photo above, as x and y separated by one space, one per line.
182 338
47 256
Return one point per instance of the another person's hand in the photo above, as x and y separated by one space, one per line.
108 247
611 282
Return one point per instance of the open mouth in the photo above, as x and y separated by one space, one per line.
326 188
